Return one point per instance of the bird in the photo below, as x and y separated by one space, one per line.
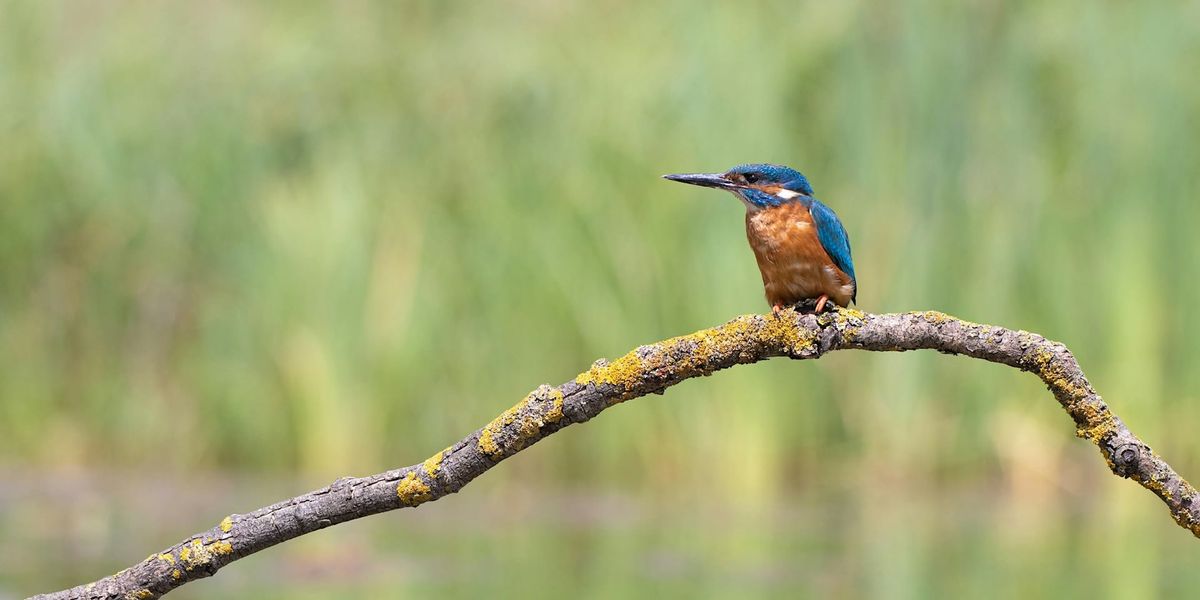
801 247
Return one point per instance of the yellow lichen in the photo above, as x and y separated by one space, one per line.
198 553
936 317
544 405
623 372
176 574
1053 374
433 464
784 332
555 414
1155 484
695 353
845 320
167 558
486 443
412 490
141 594
1097 423
487 439
226 524
845 315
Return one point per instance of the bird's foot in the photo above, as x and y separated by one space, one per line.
776 309
815 305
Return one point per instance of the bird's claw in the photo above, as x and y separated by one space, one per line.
815 306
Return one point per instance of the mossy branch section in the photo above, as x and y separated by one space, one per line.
645 370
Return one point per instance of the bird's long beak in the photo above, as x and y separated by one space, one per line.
712 180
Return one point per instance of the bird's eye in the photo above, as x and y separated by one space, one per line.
750 177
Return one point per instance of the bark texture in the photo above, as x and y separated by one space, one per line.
645 370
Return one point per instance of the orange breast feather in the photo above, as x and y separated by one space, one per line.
793 263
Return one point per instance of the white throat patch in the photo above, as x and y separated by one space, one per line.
787 194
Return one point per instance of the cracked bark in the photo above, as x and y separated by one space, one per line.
652 369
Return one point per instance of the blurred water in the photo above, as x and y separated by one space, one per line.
851 538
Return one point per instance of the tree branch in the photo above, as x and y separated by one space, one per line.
646 370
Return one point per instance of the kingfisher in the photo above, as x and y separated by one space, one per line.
802 249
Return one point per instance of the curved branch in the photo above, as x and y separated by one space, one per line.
646 370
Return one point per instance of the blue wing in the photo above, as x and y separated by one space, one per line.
833 238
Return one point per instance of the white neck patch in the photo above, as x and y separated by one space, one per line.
787 194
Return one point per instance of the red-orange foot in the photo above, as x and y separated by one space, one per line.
776 309
821 302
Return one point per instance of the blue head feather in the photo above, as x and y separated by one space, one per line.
785 177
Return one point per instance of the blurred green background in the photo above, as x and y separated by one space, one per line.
246 248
